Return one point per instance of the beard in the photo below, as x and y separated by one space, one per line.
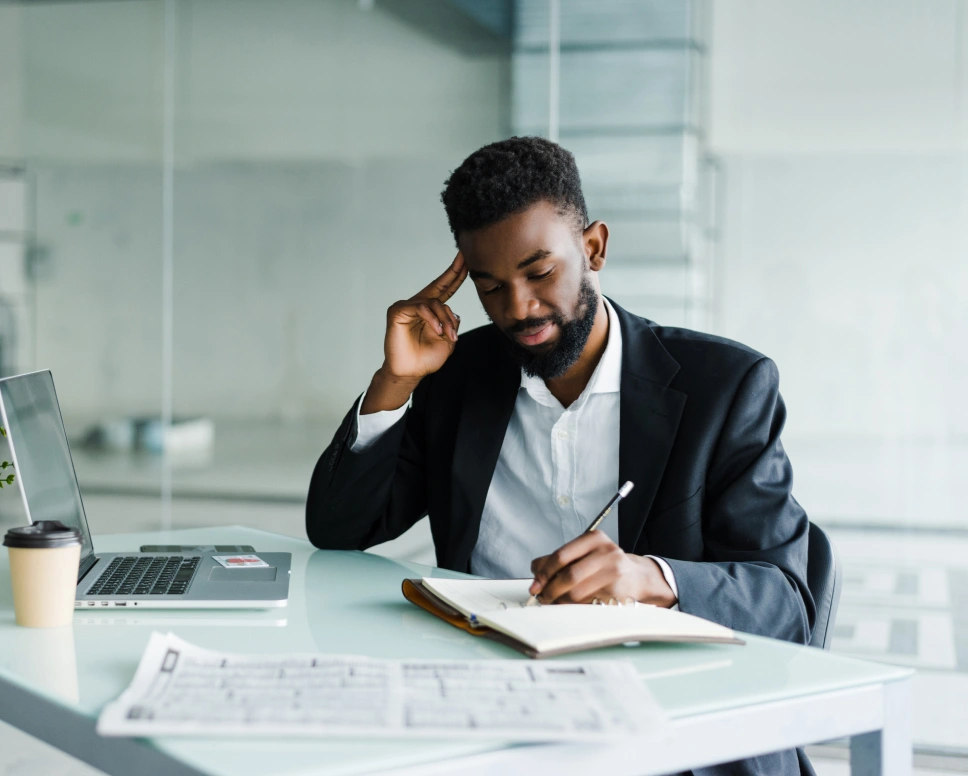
552 361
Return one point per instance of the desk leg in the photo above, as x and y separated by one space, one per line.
886 752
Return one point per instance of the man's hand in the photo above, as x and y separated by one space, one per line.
593 566
421 335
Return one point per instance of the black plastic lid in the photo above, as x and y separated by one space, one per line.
41 535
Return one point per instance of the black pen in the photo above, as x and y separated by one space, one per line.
622 493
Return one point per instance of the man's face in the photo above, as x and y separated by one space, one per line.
534 278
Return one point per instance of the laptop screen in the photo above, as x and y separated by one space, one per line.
38 441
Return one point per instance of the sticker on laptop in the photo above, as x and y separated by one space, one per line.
240 561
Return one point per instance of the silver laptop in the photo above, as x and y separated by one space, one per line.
136 580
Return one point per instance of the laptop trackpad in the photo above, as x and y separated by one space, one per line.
263 574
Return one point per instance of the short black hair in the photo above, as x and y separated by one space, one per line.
509 176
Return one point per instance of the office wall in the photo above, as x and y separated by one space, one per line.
869 76
845 241
92 81
282 279
851 271
10 82
312 141
291 79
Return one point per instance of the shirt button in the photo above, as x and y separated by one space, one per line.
563 500
562 434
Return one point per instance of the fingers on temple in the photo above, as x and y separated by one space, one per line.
444 287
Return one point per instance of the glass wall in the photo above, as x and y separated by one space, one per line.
226 197
306 202
841 133
81 127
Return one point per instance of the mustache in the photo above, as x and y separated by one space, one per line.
532 323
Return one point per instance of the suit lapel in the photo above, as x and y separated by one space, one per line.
488 403
650 413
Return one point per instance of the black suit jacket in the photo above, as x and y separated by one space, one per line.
700 437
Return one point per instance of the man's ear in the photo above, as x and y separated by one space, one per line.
595 242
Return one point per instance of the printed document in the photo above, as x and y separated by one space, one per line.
181 689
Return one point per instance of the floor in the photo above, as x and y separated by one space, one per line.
905 601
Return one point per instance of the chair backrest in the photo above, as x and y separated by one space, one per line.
824 578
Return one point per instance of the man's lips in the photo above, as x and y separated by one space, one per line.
536 336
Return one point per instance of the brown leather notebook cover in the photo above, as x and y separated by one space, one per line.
415 592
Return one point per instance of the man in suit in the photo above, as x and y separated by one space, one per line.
513 436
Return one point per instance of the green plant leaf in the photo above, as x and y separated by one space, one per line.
3 431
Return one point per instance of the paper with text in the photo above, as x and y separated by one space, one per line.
182 689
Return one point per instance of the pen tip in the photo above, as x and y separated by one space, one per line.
626 489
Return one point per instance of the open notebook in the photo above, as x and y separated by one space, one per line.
495 609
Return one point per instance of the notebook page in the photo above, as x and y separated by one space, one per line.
479 596
564 626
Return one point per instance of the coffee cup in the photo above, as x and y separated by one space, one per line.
44 559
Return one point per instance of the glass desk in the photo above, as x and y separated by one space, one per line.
725 702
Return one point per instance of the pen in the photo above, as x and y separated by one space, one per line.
622 493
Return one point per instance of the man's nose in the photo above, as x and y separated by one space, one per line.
522 304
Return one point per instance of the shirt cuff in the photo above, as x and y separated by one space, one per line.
369 428
670 579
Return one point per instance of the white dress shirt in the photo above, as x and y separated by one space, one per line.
557 469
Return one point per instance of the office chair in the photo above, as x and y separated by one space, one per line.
824 578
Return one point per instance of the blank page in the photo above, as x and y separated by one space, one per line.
501 604
480 596
567 626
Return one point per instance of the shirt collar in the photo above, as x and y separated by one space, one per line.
607 377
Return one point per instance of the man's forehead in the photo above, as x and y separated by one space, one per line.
520 239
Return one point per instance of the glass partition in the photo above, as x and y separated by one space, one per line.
84 131
307 186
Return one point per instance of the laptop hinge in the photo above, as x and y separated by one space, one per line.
86 565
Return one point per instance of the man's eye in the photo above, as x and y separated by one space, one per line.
489 291
542 276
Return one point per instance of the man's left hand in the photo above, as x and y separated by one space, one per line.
593 566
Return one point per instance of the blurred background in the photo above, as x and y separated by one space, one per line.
206 207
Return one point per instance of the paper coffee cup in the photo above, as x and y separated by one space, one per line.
44 559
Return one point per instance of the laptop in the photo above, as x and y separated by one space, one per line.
135 580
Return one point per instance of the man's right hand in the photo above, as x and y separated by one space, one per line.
421 335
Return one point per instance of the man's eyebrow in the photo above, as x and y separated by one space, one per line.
538 255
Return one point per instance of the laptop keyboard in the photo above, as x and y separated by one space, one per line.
146 575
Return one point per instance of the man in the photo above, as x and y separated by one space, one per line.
518 433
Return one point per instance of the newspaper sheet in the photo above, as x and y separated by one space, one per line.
184 690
